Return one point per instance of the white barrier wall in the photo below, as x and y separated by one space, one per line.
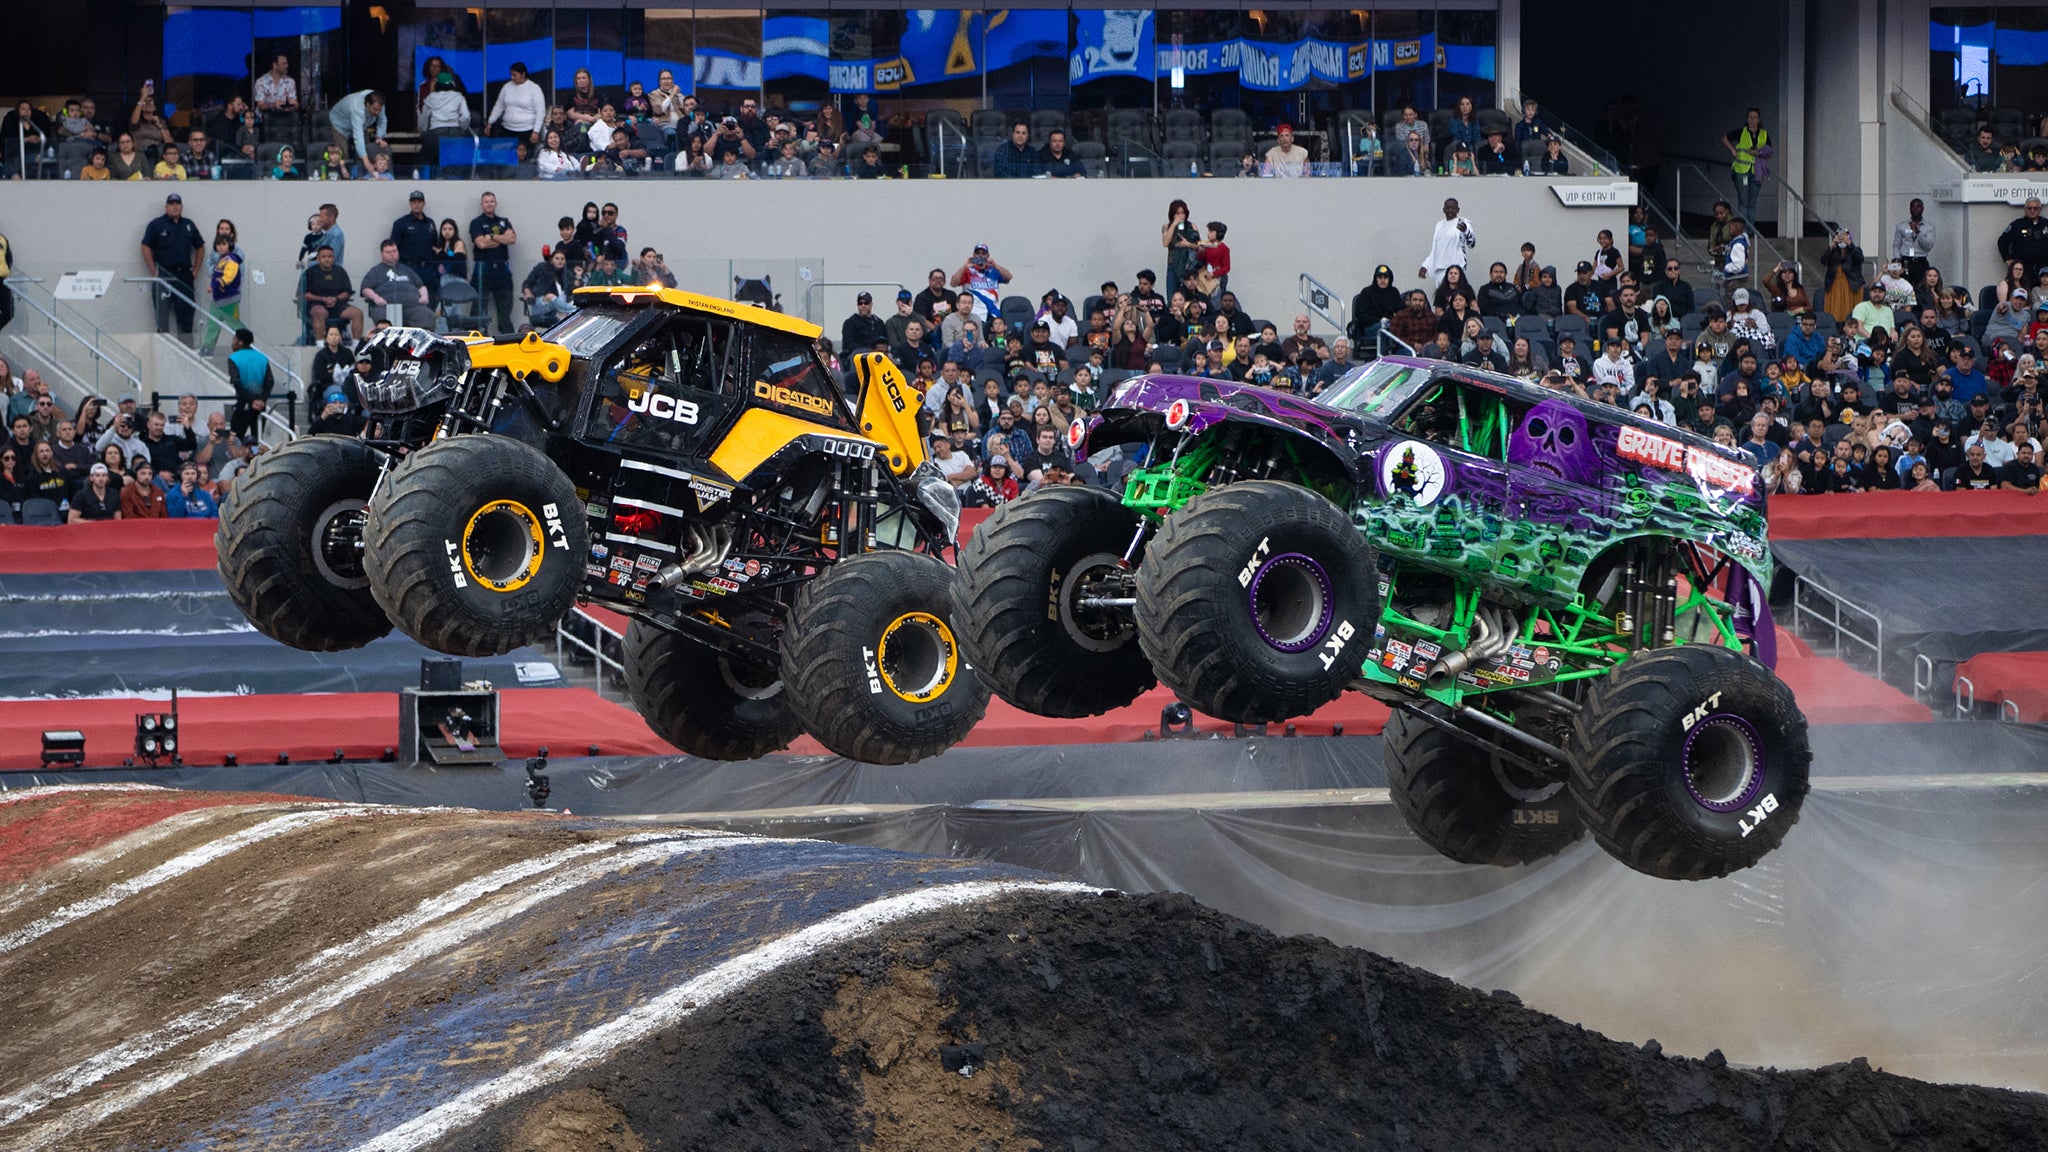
1066 234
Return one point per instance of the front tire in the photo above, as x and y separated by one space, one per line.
477 545
1459 801
871 662
704 702
290 545
1015 595
1690 762
1257 602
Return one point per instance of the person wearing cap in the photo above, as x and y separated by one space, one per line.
172 249
729 146
1286 158
1898 290
1582 295
995 486
981 279
415 233
2026 238
1875 313
862 330
905 313
95 499
1494 159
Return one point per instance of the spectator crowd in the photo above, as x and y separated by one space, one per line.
652 125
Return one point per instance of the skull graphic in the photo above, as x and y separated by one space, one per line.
1554 438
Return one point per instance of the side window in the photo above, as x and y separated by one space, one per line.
787 372
1433 415
660 392
1458 415
704 353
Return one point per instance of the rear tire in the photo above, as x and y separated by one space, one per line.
290 545
1257 602
871 662
477 545
1454 800
1014 598
1690 762
704 702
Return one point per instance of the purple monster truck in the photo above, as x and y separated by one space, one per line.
1563 603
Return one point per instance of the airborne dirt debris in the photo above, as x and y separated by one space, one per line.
1152 1023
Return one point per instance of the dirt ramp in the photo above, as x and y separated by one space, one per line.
263 973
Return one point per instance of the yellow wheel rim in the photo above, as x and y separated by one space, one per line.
503 545
918 657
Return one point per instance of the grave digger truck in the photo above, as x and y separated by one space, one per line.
687 461
1562 602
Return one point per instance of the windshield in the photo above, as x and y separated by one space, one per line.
1366 389
588 331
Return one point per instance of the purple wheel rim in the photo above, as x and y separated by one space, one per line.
1298 603
1722 761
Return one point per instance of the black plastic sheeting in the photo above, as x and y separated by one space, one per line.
986 778
1947 598
122 633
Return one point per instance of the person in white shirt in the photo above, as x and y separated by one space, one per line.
1998 451
275 90
1058 321
522 107
601 129
1285 158
1610 368
1449 245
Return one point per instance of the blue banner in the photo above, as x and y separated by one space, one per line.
1267 67
1111 43
943 44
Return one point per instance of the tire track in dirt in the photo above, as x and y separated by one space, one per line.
397 979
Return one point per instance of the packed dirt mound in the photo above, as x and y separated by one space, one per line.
190 971
1150 1022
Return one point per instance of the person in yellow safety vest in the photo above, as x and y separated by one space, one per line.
1751 147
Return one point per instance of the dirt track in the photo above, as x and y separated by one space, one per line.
248 972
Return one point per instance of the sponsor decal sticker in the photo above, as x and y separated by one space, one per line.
1413 469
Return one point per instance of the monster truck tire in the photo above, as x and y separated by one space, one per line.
1454 800
1689 762
871 663
477 545
1014 596
704 702
290 545
1257 602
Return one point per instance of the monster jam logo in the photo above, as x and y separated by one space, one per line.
1413 469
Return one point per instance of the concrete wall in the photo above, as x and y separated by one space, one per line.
1065 234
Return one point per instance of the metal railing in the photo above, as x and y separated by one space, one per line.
284 425
278 358
106 353
811 289
1966 701
1756 239
601 637
1588 158
1826 616
1320 299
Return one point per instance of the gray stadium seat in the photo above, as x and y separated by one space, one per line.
38 512
1226 155
1043 123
